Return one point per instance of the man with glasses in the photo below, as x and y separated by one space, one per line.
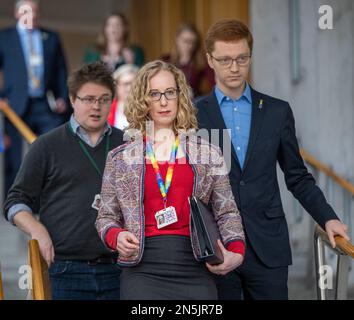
262 134
63 170
34 70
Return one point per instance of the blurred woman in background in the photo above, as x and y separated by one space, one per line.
124 77
112 45
187 56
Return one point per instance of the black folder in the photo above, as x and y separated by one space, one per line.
207 232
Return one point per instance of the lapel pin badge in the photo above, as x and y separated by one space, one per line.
260 104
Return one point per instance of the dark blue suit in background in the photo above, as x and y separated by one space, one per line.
35 112
264 272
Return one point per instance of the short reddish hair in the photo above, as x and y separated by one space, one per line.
227 30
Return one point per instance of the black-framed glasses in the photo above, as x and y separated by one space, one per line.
90 101
228 61
169 94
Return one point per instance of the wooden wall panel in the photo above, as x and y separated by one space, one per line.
171 17
214 10
154 22
229 9
145 22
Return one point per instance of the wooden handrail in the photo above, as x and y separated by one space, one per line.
344 245
18 123
345 184
40 274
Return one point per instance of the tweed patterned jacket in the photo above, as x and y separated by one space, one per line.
122 193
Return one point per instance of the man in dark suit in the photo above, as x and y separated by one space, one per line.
34 72
262 134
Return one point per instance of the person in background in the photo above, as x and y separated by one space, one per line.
62 171
154 245
34 80
124 77
186 55
112 46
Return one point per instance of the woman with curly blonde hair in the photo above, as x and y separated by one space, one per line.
144 212
138 103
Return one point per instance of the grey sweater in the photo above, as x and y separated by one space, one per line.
58 175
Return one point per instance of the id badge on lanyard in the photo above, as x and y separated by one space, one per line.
168 215
165 217
35 60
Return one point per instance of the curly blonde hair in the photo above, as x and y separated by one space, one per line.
137 107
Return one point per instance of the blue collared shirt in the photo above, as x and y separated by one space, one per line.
237 117
35 68
82 134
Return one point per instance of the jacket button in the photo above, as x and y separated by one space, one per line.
242 183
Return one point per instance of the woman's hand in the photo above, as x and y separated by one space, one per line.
127 244
231 261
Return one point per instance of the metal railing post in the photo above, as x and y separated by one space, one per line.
319 262
344 251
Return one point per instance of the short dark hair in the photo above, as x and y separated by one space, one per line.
96 72
227 30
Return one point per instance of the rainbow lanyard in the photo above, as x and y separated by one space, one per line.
163 187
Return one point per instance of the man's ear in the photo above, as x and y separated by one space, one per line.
72 100
210 60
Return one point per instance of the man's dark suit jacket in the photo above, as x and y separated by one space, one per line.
255 188
13 66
